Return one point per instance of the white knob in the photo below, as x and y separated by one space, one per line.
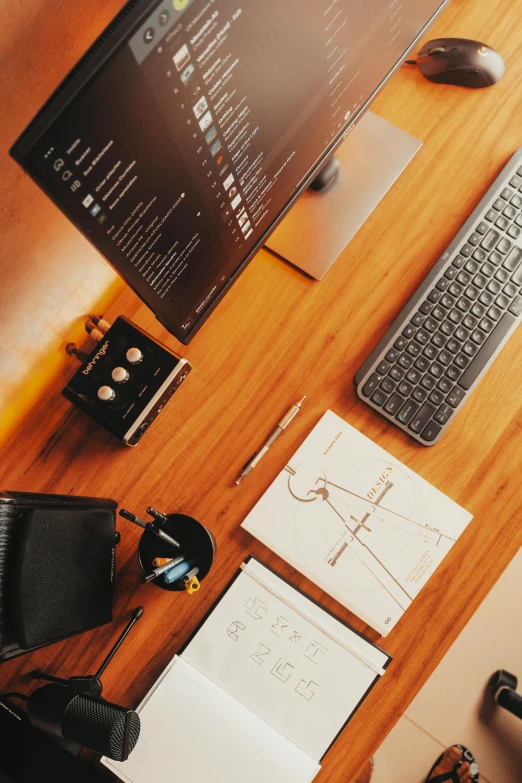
134 355
120 375
106 394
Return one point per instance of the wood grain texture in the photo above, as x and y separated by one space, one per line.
277 336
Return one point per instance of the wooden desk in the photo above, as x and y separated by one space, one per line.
275 337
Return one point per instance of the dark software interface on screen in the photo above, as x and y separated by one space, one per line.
186 146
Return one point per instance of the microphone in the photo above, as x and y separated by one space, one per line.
84 721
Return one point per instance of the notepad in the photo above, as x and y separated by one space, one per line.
357 522
259 693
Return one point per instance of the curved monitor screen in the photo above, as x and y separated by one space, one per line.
182 146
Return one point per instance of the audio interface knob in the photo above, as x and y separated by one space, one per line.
106 394
134 355
120 375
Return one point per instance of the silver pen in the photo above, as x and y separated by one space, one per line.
276 432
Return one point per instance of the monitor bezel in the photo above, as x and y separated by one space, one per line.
116 35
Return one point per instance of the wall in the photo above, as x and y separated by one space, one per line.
50 276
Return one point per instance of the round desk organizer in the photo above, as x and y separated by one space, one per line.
197 544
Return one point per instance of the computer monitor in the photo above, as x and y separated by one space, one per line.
190 127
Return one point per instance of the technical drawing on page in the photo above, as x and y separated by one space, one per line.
360 527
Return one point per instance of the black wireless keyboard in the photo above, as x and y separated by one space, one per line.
443 341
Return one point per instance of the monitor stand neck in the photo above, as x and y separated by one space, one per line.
321 223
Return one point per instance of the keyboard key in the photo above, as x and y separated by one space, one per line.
480 255
447 301
517 201
461 361
501 275
422 417
431 431
445 358
430 324
464 304
439 313
387 385
472 266
371 384
467 250
434 296
430 352
379 397
447 328
502 301
478 309
490 240
405 361
396 374
486 351
464 277
405 388
494 286
426 307
422 364
409 410
394 404
422 337
502 222
450 273
453 373
419 394
516 306
487 324
455 397
506 194
413 376
436 397
455 316
439 340
470 349
515 181
482 228
480 281
474 239
494 312
400 343
513 260
440 417
413 349
478 336
459 261
499 205
495 258
445 410
442 284
490 215
510 212
510 290
383 368
486 298
408 331
518 221
418 319
514 232
453 345
469 321
487 269
428 382
392 355
471 292
504 246
455 289
445 385
437 370
461 333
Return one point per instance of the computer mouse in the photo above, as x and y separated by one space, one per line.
460 61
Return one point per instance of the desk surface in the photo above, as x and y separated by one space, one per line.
276 336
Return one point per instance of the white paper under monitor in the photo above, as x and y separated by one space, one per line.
261 691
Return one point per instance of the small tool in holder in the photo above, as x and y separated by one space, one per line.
73 712
185 548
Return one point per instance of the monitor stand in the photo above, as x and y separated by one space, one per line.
320 224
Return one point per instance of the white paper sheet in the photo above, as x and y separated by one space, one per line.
193 732
303 672
365 528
